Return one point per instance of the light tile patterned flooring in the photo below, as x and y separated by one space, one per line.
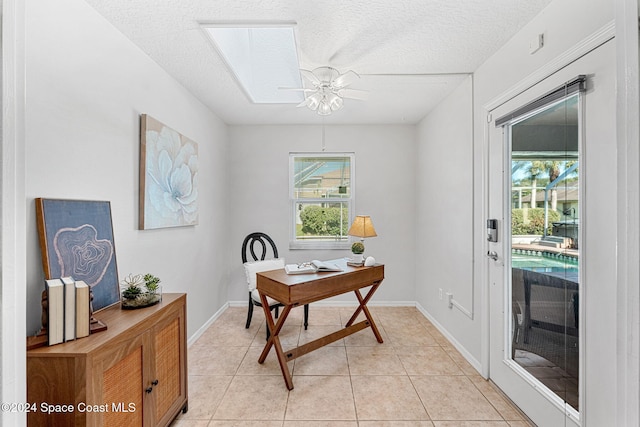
416 378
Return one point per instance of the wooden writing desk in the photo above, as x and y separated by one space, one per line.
300 289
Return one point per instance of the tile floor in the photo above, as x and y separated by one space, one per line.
414 379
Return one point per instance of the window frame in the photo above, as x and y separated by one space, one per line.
294 243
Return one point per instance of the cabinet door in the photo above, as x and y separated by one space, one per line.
169 362
120 377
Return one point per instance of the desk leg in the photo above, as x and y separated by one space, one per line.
274 340
363 307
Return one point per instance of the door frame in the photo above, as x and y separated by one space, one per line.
628 170
13 216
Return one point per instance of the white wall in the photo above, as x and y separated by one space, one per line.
444 220
385 190
86 87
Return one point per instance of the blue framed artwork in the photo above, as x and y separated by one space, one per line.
168 177
76 239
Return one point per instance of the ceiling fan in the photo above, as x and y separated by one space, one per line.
329 89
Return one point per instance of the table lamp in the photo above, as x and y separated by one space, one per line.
361 227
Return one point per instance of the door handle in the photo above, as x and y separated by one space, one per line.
493 255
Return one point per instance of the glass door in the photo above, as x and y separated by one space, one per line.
551 263
535 268
544 246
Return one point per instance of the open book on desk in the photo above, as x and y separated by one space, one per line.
314 266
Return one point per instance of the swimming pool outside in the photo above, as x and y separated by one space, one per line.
542 261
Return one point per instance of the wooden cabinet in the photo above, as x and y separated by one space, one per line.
132 374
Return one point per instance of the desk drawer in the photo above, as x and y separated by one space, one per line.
306 288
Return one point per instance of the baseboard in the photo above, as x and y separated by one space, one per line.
206 325
472 360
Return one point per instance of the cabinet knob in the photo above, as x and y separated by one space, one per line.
150 388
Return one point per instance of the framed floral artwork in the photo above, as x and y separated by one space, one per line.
168 177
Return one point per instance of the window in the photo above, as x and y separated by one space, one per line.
321 194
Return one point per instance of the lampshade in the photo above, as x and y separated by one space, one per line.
362 227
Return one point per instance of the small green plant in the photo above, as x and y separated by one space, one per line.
139 291
357 248
151 282
132 286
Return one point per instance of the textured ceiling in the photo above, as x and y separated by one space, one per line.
409 53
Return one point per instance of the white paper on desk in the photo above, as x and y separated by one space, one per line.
314 266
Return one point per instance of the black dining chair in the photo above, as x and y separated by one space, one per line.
255 249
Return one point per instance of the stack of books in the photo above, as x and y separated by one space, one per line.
67 309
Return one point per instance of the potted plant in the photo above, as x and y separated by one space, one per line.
357 248
140 291
152 283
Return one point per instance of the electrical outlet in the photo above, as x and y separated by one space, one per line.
450 299
440 294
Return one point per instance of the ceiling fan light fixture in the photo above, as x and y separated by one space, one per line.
335 102
324 109
313 101
328 92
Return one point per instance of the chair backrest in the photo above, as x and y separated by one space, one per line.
249 245
251 268
254 260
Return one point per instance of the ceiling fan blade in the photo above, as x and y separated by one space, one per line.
297 89
345 79
310 76
353 94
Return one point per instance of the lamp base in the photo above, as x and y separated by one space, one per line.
357 258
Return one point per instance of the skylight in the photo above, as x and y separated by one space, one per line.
263 59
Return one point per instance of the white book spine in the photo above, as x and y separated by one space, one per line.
69 308
55 311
